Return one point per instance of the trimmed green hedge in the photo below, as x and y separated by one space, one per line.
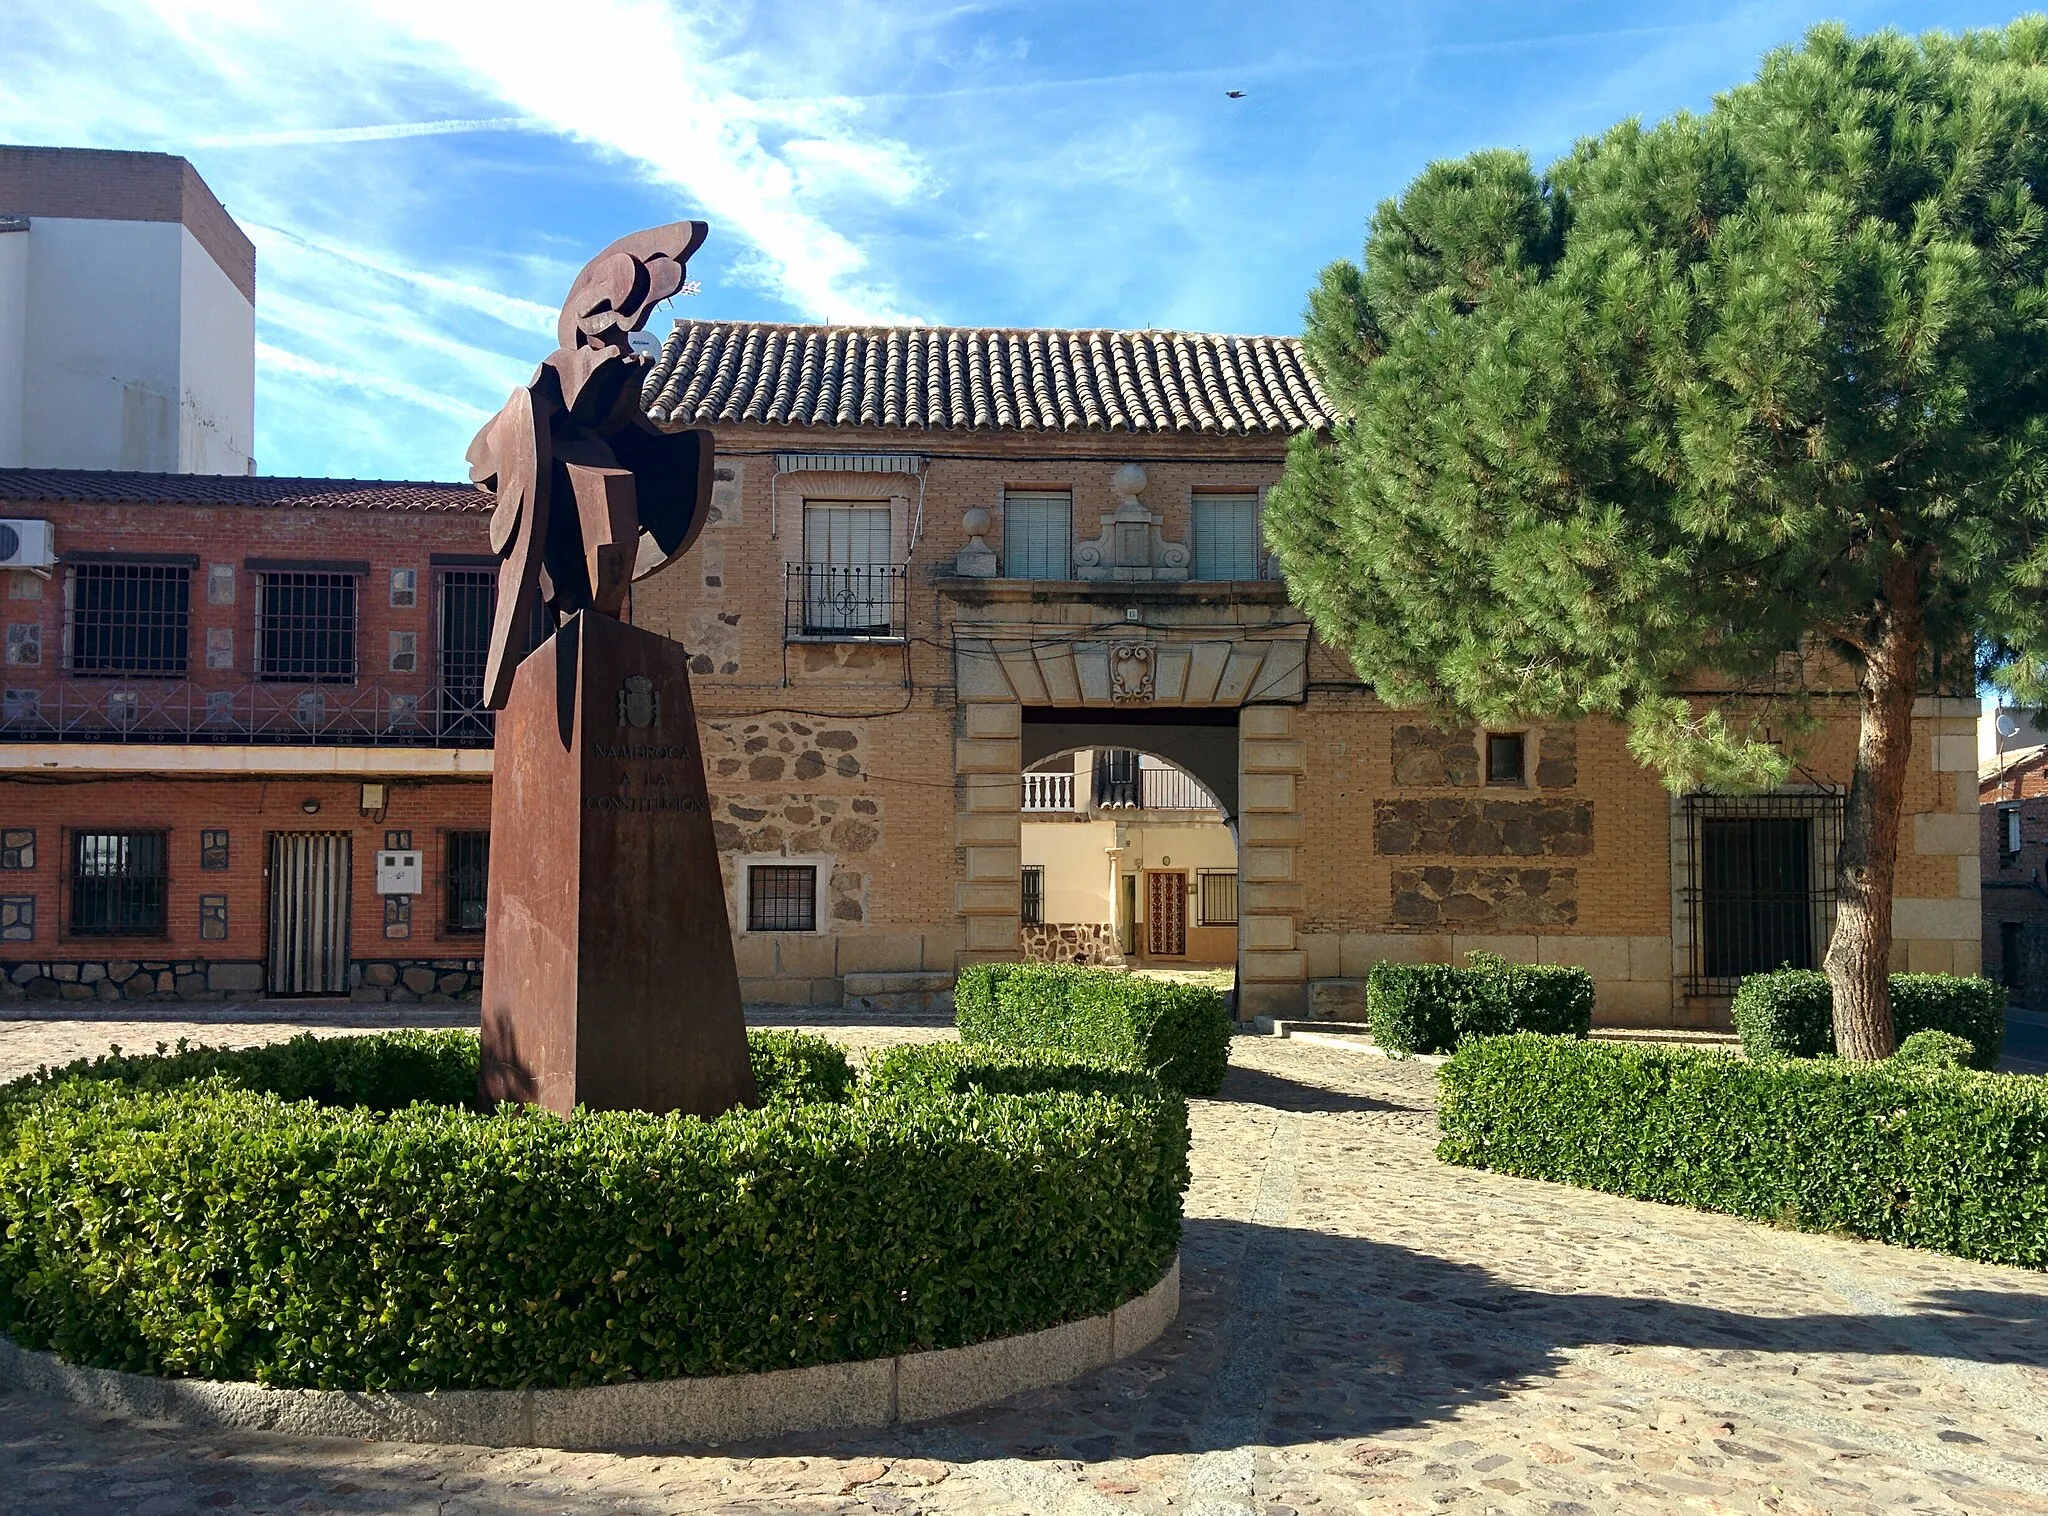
218 1229
1791 1013
1432 1007
1919 1155
1179 1033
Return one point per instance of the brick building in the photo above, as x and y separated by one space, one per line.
2013 819
937 558
228 698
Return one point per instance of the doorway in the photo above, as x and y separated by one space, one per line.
309 893
1166 913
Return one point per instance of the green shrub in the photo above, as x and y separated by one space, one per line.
1179 1033
1791 1013
1947 1159
797 1068
1432 1007
1935 1050
217 1229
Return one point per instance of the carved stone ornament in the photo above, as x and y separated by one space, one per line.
639 702
977 560
1130 672
1131 546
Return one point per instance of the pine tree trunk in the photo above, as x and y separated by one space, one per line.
1859 956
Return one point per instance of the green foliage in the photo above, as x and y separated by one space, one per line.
217 1229
796 1068
1432 1007
1180 1033
1935 1050
1925 1157
1703 392
1790 1013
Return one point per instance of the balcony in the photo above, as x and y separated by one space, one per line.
1049 792
181 711
827 602
1125 781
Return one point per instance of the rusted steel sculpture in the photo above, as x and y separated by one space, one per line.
580 473
609 978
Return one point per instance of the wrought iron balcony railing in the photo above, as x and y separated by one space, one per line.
823 600
185 711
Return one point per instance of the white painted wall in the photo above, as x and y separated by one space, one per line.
216 367
133 356
13 340
1075 857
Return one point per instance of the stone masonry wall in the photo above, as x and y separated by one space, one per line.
1083 942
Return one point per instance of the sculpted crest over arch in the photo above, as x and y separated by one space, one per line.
591 495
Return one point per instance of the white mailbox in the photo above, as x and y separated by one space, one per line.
398 873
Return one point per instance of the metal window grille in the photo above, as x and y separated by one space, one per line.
1117 781
2008 834
1218 897
782 897
469 867
1038 534
119 881
1034 894
133 620
1504 758
849 586
1226 536
306 628
469 605
1760 884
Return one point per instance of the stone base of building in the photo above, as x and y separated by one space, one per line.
1083 942
421 981
427 981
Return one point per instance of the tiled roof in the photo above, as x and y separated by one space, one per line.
973 377
109 487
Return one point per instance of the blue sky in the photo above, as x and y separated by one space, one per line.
423 177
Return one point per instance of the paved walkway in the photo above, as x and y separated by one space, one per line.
1363 1329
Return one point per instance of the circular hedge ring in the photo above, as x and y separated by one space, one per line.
333 1213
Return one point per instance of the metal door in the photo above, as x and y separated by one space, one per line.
309 884
1166 913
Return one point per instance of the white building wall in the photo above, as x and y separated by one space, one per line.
13 341
134 357
216 367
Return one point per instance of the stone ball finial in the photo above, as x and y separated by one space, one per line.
1128 482
977 520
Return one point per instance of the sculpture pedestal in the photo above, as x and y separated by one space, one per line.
609 979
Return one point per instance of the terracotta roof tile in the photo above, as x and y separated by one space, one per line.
982 378
110 487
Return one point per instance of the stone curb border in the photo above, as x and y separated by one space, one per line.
876 1392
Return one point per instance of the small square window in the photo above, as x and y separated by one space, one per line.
1504 757
18 848
213 918
1034 894
782 898
213 849
405 652
17 918
24 644
405 588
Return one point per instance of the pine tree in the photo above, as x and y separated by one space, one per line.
1737 401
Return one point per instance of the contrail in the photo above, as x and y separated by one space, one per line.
311 136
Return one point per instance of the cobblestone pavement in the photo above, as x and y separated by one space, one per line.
1362 1329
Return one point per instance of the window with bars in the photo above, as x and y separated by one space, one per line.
469 605
130 620
1226 535
468 868
306 627
2008 834
119 882
782 897
849 578
1038 534
1034 894
1217 897
1760 890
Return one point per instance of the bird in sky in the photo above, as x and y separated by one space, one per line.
1233 94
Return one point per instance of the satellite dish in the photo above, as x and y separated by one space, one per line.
2007 727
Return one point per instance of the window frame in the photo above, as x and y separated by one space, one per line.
2011 833
75 844
1521 775
1822 807
138 568
269 666
1197 538
1020 495
833 596
451 905
750 921
1030 901
1202 916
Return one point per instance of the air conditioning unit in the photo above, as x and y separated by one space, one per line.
27 545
